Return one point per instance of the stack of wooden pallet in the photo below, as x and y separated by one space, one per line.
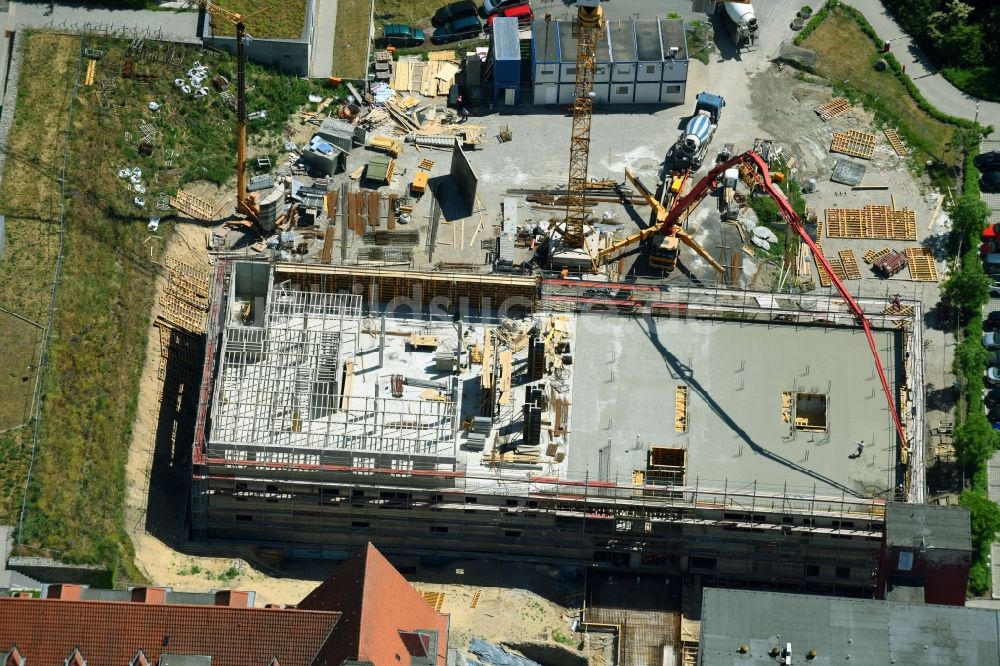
854 143
835 107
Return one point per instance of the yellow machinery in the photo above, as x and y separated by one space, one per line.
590 20
664 239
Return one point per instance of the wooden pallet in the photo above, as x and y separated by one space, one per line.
426 164
872 221
922 266
681 408
824 276
434 599
905 310
88 79
837 106
191 206
854 143
896 143
871 256
850 263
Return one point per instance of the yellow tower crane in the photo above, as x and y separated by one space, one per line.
245 203
590 20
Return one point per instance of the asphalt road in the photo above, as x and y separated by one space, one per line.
929 82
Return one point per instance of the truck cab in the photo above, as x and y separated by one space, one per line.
711 105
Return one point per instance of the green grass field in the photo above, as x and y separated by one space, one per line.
104 299
350 40
263 20
413 12
846 56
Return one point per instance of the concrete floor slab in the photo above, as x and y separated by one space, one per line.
623 397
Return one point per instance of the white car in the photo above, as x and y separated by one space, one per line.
993 375
493 6
991 340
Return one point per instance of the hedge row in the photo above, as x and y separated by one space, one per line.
967 287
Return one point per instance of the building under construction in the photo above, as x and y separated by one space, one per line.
742 437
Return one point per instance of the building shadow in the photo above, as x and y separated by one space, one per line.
686 374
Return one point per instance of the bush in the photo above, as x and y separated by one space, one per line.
814 22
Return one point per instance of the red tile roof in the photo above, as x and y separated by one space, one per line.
108 633
377 604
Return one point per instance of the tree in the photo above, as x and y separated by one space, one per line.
968 215
984 516
975 439
967 287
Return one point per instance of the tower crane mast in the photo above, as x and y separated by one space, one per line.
245 204
590 20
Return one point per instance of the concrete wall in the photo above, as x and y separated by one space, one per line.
546 72
647 93
622 93
675 70
288 55
649 71
673 93
545 93
786 551
465 178
624 72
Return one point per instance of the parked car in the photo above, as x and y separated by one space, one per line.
991 231
455 10
993 358
522 12
995 290
991 397
990 182
991 340
405 36
464 28
992 321
493 6
993 376
984 161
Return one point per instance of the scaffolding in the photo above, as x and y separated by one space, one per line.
304 448
288 385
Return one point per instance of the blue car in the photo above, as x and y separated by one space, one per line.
463 28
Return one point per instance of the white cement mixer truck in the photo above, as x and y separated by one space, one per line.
740 21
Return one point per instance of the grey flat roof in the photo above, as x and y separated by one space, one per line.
647 41
568 44
505 39
627 370
545 37
622 40
672 34
855 631
926 526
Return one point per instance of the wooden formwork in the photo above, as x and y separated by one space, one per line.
185 298
681 409
837 106
844 223
824 276
192 206
871 256
896 143
850 264
854 143
872 221
922 266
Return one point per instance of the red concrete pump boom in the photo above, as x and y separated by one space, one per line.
754 160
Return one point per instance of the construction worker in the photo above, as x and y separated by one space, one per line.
861 447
